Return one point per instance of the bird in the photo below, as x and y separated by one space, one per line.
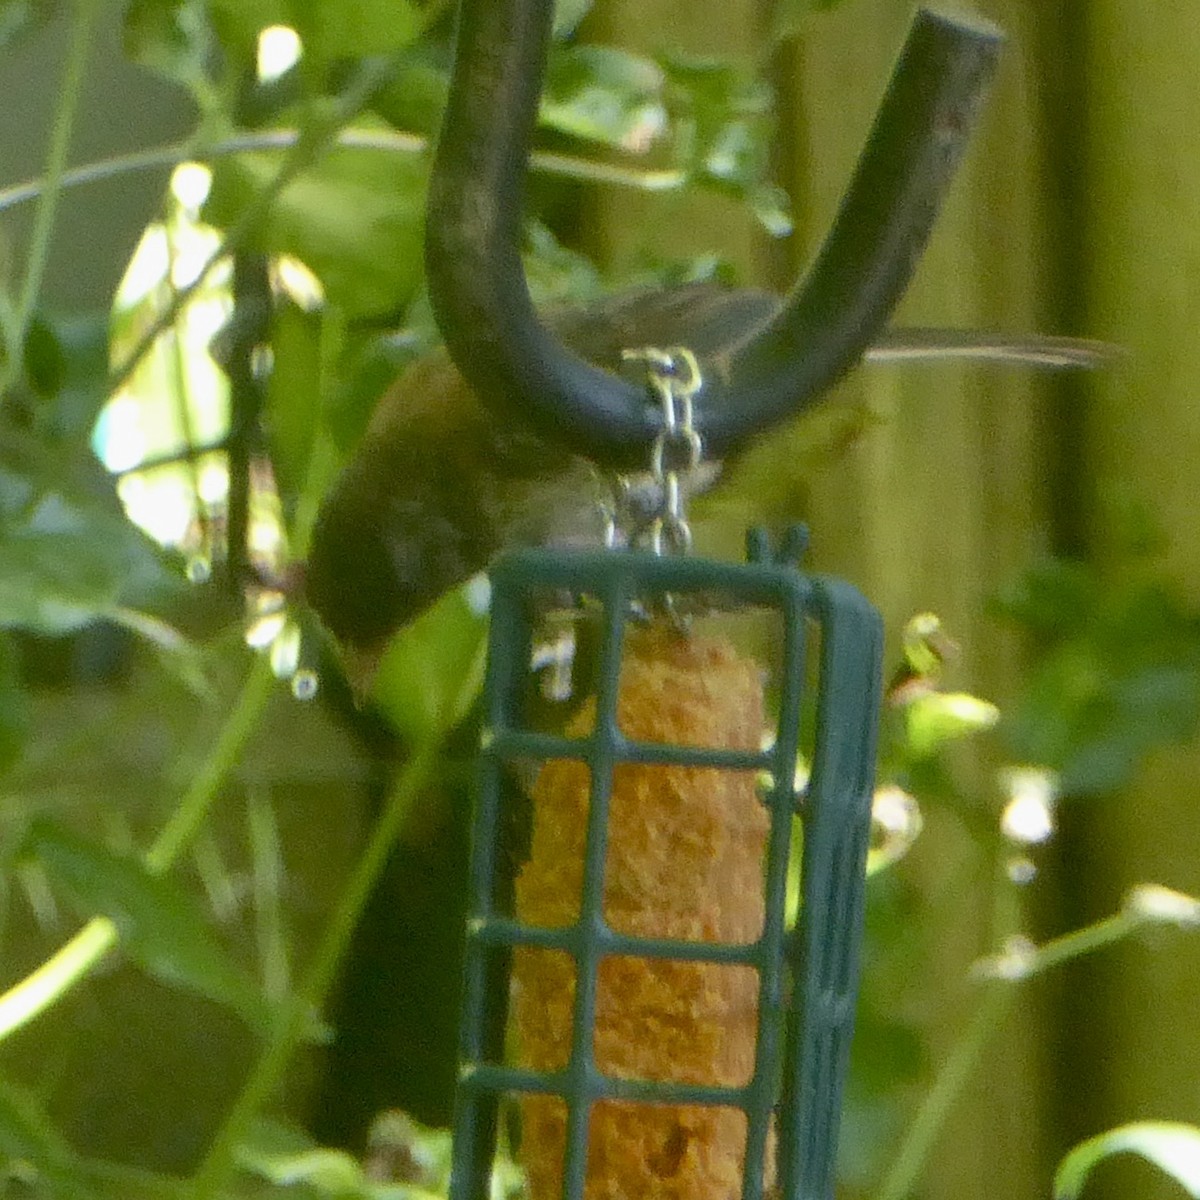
440 484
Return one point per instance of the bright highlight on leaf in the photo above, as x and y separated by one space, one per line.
1172 1147
1153 902
1028 817
896 823
279 49
939 717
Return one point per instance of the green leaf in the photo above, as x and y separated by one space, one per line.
556 274
68 565
369 365
54 583
568 14
724 120
1170 1146
424 1151
173 39
26 1134
355 219
14 706
356 28
331 1171
602 94
1052 597
179 657
21 17
162 927
936 718
287 1157
433 669
241 20
293 394
1119 673
415 97
45 362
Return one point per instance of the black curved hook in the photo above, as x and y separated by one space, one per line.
516 366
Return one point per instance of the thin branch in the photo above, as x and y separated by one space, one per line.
1147 905
391 141
43 225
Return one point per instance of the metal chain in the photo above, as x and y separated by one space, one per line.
675 376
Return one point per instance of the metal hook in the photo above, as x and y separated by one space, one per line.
786 358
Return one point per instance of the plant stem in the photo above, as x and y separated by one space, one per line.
72 962
192 809
1078 942
392 141
914 1149
1002 974
213 1174
43 223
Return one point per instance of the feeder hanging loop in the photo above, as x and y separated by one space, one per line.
675 376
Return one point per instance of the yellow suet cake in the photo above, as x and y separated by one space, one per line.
685 855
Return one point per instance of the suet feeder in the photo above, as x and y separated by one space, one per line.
673 1035
634 983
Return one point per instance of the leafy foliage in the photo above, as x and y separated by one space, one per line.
128 765
160 924
1172 1147
1118 673
124 811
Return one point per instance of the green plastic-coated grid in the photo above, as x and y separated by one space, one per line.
807 976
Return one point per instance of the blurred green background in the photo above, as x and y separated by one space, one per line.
266 858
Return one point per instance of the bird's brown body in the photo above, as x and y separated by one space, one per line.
439 484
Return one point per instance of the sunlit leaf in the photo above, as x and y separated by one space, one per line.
772 206
936 718
433 669
162 927
288 1158
723 118
1172 1147
326 1170
568 14
896 823
1153 902
355 219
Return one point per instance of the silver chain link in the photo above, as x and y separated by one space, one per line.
675 376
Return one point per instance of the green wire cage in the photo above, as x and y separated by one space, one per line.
806 973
